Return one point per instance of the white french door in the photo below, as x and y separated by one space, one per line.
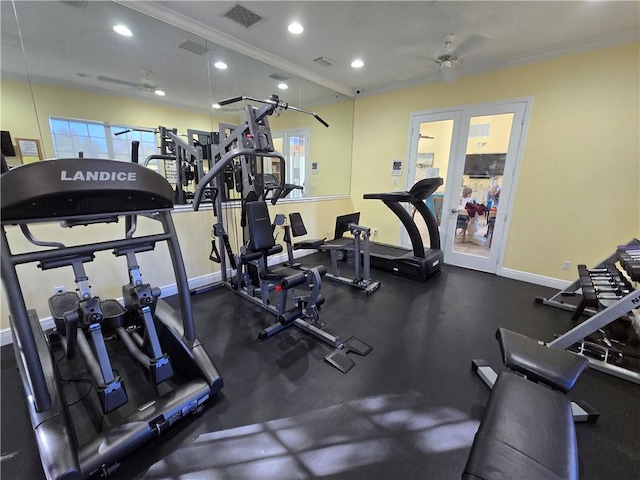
478 147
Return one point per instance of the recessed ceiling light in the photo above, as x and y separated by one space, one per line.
220 65
283 86
357 63
123 30
216 105
159 92
295 28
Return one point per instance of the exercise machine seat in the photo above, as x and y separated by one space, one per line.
526 432
554 367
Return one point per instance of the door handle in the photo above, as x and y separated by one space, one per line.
454 210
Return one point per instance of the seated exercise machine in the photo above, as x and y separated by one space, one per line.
609 338
162 342
527 429
237 168
419 263
354 251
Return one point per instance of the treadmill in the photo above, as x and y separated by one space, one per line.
418 263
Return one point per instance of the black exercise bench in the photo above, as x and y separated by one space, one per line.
527 430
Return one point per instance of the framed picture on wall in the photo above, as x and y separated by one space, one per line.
425 160
29 150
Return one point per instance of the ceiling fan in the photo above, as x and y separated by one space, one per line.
146 83
452 55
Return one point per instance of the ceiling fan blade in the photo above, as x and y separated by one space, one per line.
470 43
432 62
116 81
146 84
446 51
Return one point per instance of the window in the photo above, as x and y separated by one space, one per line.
98 140
294 147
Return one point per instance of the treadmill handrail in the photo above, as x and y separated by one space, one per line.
393 200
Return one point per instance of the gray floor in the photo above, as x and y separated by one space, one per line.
408 410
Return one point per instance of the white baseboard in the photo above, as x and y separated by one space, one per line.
535 279
167 290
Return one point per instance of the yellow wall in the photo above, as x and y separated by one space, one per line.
577 193
329 147
18 114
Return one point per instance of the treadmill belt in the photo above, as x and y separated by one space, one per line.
389 250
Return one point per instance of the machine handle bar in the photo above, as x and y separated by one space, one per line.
276 102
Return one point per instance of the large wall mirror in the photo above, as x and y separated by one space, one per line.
75 85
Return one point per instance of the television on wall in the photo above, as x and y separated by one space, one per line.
485 165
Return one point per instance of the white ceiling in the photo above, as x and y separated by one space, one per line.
71 43
396 39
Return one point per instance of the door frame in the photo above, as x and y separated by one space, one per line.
461 115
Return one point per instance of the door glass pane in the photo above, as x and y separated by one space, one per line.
272 165
296 162
479 196
434 148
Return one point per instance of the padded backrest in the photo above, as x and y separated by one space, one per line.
297 225
557 368
259 223
342 224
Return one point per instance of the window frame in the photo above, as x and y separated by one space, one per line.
286 136
109 130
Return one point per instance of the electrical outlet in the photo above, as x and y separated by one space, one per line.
374 232
59 290
566 265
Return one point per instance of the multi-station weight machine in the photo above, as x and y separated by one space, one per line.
182 162
292 296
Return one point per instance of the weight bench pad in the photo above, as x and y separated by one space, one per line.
552 366
526 432
310 244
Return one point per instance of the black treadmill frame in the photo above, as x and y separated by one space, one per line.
418 263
